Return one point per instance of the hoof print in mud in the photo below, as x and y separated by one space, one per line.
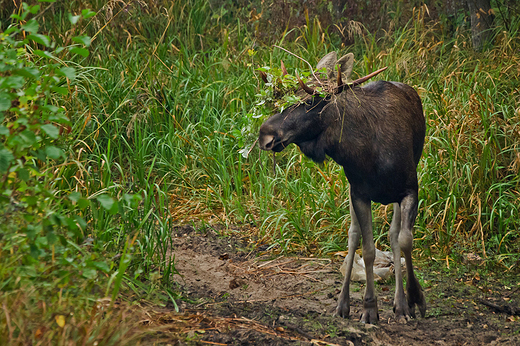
235 283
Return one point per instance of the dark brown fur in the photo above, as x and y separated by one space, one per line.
375 132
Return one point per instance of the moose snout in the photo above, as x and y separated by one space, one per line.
266 142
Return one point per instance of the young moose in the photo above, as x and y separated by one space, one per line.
377 134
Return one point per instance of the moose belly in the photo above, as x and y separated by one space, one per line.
384 189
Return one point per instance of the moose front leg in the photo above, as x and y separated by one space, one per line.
354 233
361 224
364 217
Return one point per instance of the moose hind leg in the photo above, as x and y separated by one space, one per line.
354 233
402 314
414 291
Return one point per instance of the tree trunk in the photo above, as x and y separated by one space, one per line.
452 9
339 6
481 22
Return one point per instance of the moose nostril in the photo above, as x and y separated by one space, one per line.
267 142
270 145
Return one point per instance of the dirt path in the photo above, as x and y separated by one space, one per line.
241 297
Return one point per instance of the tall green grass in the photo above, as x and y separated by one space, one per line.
175 112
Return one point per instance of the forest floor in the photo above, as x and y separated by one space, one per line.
239 296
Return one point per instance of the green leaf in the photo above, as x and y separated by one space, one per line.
23 174
44 54
11 29
101 266
106 201
51 237
87 13
81 222
31 201
61 90
31 26
84 40
89 273
13 82
132 199
28 72
34 9
51 130
5 102
41 39
81 51
41 154
73 19
51 108
75 196
69 72
80 201
62 239
72 226
83 203
35 252
6 157
53 152
27 8
27 137
4 131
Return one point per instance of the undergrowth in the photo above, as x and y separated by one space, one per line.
144 125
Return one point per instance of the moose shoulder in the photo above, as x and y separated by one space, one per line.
376 133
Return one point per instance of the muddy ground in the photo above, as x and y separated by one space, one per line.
239 295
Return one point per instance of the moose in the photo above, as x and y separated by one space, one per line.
376 133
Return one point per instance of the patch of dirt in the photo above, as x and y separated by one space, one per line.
240 296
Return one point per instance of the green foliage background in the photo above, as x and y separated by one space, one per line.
121 120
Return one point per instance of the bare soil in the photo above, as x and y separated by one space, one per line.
239 295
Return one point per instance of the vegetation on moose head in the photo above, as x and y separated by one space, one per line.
282 90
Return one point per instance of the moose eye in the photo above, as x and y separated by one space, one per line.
314 101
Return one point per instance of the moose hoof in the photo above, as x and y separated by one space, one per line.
342 310
370 316
421 305
402 318
416 297
403 313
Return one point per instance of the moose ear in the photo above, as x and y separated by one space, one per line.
329 62
346 63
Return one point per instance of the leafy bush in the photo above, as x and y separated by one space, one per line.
39 223
47 244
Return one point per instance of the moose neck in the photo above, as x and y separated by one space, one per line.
345 120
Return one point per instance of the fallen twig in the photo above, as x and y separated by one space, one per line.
508 309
